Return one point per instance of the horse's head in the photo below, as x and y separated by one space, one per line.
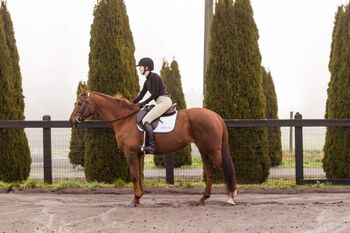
82 108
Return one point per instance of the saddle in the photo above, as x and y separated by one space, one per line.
142 113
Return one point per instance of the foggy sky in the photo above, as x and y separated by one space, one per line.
53 43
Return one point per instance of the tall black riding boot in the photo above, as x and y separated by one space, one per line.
150 145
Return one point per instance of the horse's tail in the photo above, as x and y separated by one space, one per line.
227 164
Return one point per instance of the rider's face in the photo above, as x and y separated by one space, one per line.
142 69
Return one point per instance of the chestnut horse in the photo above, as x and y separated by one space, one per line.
201 126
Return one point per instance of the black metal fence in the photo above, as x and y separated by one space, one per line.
297 166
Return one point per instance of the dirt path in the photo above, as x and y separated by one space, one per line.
303 212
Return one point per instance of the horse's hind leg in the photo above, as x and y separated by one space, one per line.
217 161
208 168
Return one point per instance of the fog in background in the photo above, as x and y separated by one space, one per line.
53 43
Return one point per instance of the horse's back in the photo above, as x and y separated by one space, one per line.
202 116
204 123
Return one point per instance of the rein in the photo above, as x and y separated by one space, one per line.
115 120
122 118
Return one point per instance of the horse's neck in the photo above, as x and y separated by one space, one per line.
107 108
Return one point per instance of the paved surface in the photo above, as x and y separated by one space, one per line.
304 212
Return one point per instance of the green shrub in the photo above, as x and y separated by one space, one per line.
77 141
271 112
172 80
234 86
337 145
14 149
112 70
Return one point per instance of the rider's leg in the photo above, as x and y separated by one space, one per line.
150 145
163 104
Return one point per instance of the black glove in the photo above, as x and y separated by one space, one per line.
140 105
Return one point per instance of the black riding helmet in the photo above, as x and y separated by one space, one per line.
146 62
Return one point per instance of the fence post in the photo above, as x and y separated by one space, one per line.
299 157
47 152
169 168
291 136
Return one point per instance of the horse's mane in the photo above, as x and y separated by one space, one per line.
118 99
124 101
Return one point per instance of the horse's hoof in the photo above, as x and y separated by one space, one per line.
202 203
230 201
134 204
196 203
203 199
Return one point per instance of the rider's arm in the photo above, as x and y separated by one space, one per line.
141 95
155 83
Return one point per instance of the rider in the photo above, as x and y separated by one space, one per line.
154 84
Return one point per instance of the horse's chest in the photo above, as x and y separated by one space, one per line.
120 141
125 140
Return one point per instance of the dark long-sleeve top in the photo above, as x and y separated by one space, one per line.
154 84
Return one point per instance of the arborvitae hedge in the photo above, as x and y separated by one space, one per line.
172 80
77 141
14 150
112 70
271 112
337 145
234 85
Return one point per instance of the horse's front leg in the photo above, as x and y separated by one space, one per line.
134 164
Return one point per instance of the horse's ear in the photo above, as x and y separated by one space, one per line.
82 91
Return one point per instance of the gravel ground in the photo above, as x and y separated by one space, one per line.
174 210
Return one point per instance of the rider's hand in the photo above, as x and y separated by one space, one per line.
140 105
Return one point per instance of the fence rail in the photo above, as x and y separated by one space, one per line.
298 123
229 123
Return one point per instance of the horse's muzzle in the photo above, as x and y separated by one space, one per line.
79 119
73 124
76 121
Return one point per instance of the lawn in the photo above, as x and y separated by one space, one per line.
312 159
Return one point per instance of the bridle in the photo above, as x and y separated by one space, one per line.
80 117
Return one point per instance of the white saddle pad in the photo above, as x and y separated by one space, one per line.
165 125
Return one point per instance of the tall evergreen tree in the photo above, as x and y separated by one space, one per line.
112 70
172 80
17 77
174 84
234 85
77 141
14 150
271 112
337 146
